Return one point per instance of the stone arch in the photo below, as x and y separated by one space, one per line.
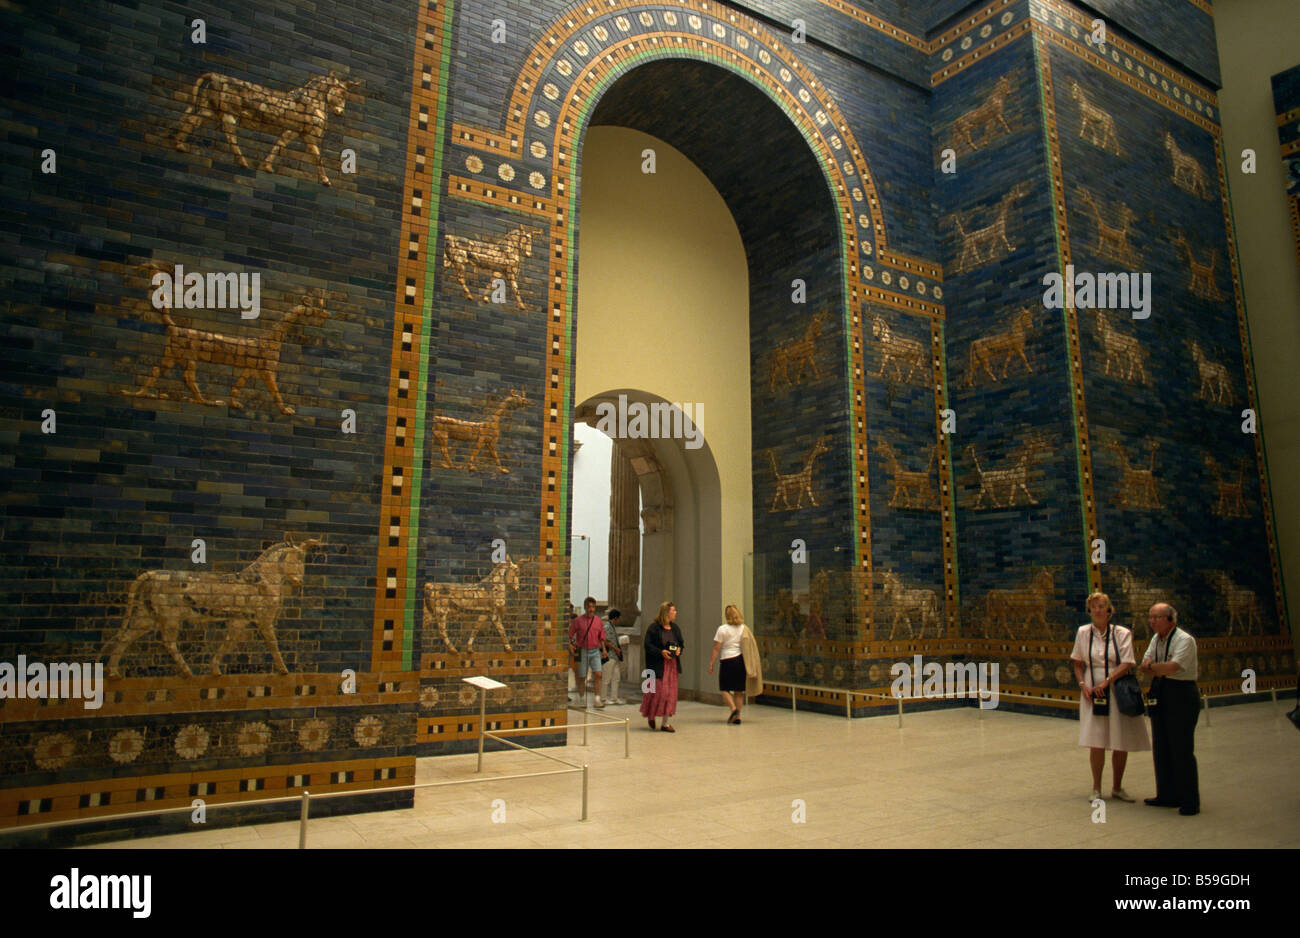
561 78
564 75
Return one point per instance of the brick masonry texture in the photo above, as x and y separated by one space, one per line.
1286 101
829 153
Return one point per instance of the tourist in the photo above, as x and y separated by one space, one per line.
1103 653
613 667
586 639
663 655
731 675
1175 706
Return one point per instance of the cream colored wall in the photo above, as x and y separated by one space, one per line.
663 306
1258 39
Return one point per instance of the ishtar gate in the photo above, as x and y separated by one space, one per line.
913 324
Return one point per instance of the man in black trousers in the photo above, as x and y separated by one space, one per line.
1175 706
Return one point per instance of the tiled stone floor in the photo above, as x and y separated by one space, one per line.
947 779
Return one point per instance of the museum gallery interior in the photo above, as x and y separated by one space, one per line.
348 345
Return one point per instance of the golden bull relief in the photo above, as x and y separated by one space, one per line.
1216 385
163 601
899 350
985 350
906 603
1243 606
1095 123
303 112
1026 606
485 599
1187 173
1122 350
501 259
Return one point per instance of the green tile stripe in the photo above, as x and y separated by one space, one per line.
434 203
1041 62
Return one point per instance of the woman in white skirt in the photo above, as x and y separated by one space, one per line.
1103 653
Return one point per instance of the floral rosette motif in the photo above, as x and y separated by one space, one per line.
313 735
54 751
126 746
191 741
252 739
368 731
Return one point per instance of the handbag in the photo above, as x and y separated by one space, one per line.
1128 693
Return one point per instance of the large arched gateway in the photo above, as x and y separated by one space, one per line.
291 506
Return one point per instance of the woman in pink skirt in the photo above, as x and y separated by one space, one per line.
663 654
1103 653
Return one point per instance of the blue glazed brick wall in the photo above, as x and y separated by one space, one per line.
127 482
1196 427
1180 29
999 420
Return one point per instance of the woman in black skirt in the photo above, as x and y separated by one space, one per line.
731 677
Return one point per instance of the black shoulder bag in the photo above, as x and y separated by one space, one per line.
1128 693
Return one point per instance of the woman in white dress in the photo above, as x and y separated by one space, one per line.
1103 653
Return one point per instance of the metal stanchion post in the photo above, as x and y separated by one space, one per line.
794 698
848 706
627 738
584 791
482 724
302 820
900 713
584 726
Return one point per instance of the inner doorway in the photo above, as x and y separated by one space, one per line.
663 317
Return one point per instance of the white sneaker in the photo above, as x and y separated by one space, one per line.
599 703
1095 796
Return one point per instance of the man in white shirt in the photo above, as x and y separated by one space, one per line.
1175 706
